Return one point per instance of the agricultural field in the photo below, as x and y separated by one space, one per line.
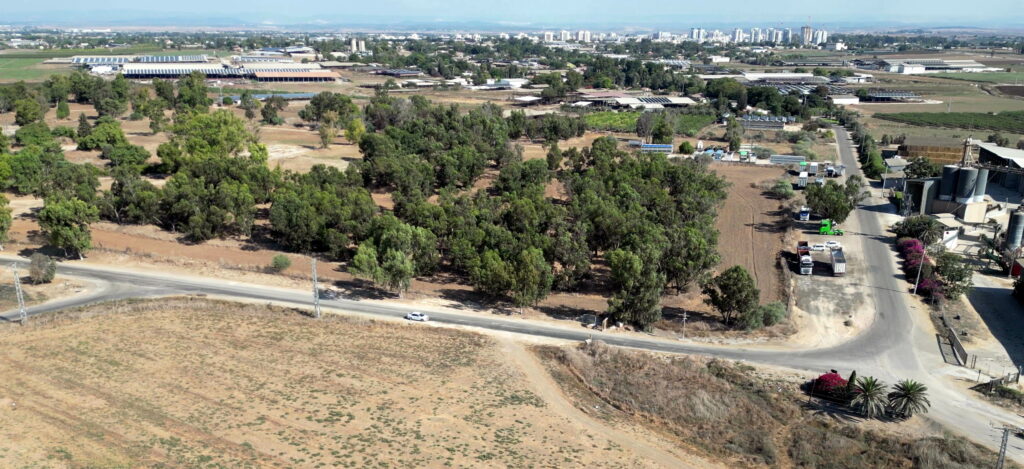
27 69
197 383
1002 122
614 121
1014 77
686 124
741 416
752 227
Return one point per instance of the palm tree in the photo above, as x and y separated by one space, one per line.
869 396
909 397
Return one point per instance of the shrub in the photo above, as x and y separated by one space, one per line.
830 384
227 101
763 316
782 189
280 262
773 313
686 148
42 268
63 131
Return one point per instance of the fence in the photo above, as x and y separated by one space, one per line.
991 386
958 348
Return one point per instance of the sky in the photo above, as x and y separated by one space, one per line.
526 13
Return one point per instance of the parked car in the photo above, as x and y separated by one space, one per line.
833 245
415 316
818 247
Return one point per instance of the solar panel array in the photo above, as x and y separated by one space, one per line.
755 118
271 69
260 58
177 72
101 60
655 100
168 59
892 94
807 89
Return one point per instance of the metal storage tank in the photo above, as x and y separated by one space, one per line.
948 186
981 186
965 182
1015 230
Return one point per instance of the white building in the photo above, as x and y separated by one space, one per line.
362 45
820 36
564 35
354 46
549 36
836 46
719 59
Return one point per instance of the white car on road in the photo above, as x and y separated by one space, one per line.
414 316
833 245
818 247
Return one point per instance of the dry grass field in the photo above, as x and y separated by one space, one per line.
742 416
197 383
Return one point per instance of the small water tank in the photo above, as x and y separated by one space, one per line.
965 182
1015 231
948 186
981 186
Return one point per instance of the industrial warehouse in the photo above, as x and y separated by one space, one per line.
170 67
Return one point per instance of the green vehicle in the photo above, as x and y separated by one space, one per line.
829 228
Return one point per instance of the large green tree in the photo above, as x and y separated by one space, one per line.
732 293
836 201
638 285
192 93
65 222
27 111
5 220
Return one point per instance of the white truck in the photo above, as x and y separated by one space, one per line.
838 262
805 213
812 169
801 181
803 252
806 265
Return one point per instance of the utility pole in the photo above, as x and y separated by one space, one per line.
316 293
685 317
22 313
1002 448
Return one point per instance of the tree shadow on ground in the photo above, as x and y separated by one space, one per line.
359 289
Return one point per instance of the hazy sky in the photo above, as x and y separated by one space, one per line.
685 13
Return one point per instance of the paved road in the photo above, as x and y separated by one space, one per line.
896 345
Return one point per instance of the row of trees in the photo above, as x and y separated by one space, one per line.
650 220
946 276
867 395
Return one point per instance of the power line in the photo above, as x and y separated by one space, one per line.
316 293
22 313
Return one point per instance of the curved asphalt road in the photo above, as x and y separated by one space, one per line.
893 347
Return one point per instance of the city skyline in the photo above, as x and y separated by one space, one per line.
530 14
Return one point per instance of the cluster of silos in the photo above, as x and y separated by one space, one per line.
965 185
1015 230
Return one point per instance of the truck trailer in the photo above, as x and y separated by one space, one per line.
803 251
801 181
838 262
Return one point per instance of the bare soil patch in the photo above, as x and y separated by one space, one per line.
752 227
198 383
